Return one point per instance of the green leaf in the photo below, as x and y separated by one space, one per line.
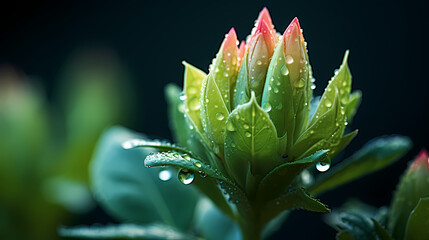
242 88
353 105
297 198
204 176
214 113
125 231
381 232
212 224
277 96
250 137
345 140
192 87
278 180
157 144
418 222
375 155
131 192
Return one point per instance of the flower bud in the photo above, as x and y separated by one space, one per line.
414 185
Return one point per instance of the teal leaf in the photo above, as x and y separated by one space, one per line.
212 224
192 88
277 97
250 137
125 231
278 180
354 226
130 192
242 88
214 113
295 199
374 156
418 222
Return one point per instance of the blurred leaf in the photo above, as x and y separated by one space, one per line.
131 192
353 226
381 231
212 224
125 231
192 88
376 154
353 105
418 222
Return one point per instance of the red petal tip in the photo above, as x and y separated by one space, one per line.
265 15
422 158
231 38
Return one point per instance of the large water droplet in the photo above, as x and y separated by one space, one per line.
186 156
289 59
194 104
230 127
276 90
323 167
313 86
284 71
186 177
328 103
197 164
247 134
220 116
165 175
192 90
267 107
258 62
245 126
300 83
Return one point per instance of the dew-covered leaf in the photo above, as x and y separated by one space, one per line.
278 180
375 155
295 199
192 88
125 231
418 222
161 145
130 192
277 98
250 137
214 113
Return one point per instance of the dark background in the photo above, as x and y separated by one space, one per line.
388 59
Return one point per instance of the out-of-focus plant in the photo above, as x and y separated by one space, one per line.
248 134
45 148
407 218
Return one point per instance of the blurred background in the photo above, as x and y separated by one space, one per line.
70 69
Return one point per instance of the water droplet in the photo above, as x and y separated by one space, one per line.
220 116
322 167
165 175
182 96
191 127
346 123
284 71
230 127
276 90
300 83
186 156
328 103
267 107
197 164
344 83
247 134
245 126
313 86
306 177
289 59
186 177
194 104
225 74
181 108
258 62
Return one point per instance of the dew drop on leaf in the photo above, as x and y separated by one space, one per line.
248 134
230 127
322 167
289 59
165 175
284 71
197 164
186 177
245 126
328 103
220 116
267 107
194 104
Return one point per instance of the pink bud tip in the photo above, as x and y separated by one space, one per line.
265 15
241 52
267 33
230 41
422 158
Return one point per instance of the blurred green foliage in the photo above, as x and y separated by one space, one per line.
45 146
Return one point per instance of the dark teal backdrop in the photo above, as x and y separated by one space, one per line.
388 42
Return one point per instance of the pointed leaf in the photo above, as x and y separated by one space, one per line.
214 113
278 180
382 233
375 155
353 105
277 96
418 222
242 88
250 137
345 140
192 87
126 189
124 231
297 198
157 144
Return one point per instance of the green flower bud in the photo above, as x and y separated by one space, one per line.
413 187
